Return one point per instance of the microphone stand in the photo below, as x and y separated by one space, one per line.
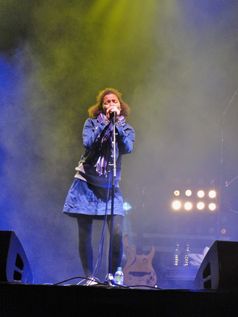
110 273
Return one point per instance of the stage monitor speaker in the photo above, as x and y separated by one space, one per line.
219 268
14 266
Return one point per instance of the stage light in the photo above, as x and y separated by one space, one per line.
200 205
188 205
223 231
188 192
127 206
176 205
194 199
212 194
212 206
200 193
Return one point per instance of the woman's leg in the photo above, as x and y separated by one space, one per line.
117 241
85 243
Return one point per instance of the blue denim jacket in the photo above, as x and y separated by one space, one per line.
96 165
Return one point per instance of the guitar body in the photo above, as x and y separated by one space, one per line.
138 270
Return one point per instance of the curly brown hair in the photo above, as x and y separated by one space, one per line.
94 110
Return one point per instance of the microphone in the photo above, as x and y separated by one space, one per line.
113 116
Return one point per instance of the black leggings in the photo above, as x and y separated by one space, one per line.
85 223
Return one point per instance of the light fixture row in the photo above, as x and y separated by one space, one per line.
180 205
211 193
192 199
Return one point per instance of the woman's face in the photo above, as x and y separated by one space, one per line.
111 104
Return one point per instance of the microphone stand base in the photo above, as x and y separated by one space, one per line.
109 280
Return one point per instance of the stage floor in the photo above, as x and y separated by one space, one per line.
77 300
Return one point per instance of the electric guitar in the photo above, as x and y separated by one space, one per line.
138 269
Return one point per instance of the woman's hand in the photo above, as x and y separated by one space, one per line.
113 108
